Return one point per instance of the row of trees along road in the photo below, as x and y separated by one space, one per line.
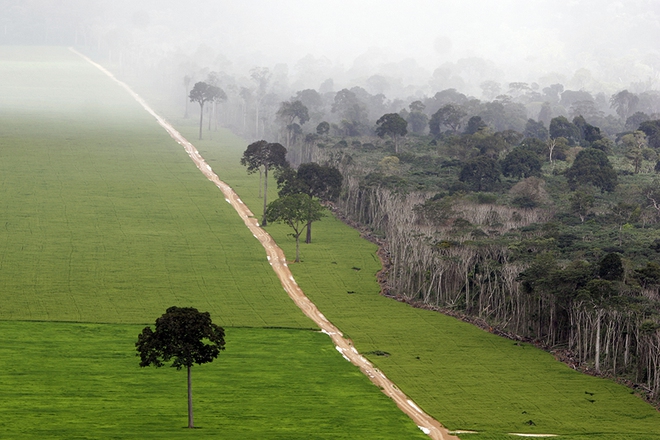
300 190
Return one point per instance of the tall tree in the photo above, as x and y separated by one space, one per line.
297 211
351 110
449 115
521 163
624 103
202 93
480 172
262 155
562 127
321 181
392 125
261 76
289 112
184 336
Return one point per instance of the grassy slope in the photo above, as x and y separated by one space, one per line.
465 377
106 220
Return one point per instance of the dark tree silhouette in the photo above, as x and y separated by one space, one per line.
480 172
264 155
184 336
591 167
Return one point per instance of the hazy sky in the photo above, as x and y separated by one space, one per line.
614 39
433 31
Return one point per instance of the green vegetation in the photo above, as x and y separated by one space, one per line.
75 381
465 377
106 220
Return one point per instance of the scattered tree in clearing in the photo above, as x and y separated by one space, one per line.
321 181
202 93
392 125
186 337
264 155
297 211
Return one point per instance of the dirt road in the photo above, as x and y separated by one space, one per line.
277 260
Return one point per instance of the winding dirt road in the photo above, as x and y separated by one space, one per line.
278 262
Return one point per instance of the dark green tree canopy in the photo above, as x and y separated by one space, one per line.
182 335
323 128
202 93
392 125
480 173
322 181
611 267
591 167
474 125
521 163
536 130
562 127
264 155
450 116
588 132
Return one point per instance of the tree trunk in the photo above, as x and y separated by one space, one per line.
263 219
190 407
308 238
201 119
597 361
298 248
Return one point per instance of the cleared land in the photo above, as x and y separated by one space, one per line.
106 220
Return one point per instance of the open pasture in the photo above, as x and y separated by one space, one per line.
106 220
85 383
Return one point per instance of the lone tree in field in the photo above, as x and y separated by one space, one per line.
262 155
184 336
202 93
297 211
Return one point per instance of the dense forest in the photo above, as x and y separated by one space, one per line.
536 213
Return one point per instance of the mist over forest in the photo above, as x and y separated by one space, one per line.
400 49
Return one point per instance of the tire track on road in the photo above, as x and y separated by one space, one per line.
277 260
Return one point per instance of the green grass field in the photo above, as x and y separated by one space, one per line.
106 224
268 384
